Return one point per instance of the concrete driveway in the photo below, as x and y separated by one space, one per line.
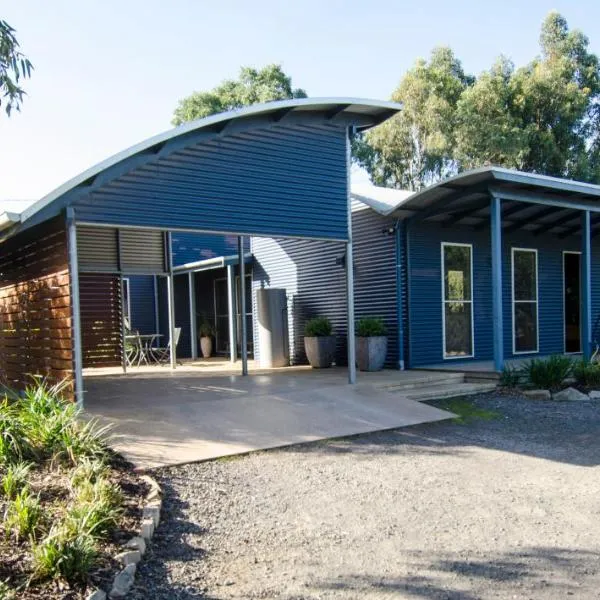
165 418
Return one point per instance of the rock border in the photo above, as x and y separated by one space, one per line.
569 394
134 549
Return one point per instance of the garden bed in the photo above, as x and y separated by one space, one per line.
68 503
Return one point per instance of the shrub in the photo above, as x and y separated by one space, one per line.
64 554
510 376
96 509
88 471
370 327
318 327
14 445
6 593
23 515
548 373
587 373
52 426
206 329
15 479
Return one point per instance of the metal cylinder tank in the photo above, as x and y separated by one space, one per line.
272 319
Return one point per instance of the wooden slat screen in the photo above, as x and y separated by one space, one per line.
35 306
100 309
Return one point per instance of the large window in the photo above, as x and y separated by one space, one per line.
126 303
457 300
525 300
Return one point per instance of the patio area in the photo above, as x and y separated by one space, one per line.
165 417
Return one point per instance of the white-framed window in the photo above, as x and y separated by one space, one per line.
457 300
524 262
127 302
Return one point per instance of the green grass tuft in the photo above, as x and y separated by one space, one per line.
466 411
64 554
15 479
23 516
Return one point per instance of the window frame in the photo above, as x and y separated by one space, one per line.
444 301
516 352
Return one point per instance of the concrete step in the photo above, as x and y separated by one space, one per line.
420 380
481 376
448 390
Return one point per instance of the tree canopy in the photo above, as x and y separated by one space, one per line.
543 117
252 87
14 67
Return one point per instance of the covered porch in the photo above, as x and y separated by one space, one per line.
499 269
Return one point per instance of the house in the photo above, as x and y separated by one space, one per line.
424 262
492 264
69 262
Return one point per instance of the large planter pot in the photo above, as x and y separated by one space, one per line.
206 346
320 351
371 352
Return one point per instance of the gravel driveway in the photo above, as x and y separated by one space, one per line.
506 508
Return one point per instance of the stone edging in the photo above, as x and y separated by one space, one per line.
134 549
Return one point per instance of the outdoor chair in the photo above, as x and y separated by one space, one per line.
162 354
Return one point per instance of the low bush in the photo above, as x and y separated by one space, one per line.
370 327
43 425
318 327
64 554
15 479
510 376
23 515
548 373
587 373
96 508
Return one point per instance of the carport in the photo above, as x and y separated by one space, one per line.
280 169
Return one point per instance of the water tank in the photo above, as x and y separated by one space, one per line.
272 317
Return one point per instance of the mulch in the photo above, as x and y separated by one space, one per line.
50 482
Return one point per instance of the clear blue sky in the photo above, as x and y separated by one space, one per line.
108 74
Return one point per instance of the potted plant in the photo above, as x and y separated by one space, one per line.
205 333
371 344
319 342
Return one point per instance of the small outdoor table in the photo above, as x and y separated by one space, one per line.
143 344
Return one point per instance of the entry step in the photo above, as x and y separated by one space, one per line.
448 390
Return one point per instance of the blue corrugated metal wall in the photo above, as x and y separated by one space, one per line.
316 285
278 180
141 289
425 306
193 247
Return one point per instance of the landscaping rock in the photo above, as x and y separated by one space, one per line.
136 543
130 557
154 494
97 595
152 511
570 395
537 394
123 582
147 530
594 395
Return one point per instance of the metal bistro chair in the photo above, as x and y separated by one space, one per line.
162 354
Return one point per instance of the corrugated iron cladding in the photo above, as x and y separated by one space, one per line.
281 180
314 276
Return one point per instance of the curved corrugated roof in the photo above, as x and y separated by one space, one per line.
367 113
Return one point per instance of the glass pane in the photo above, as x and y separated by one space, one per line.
525 327
524 275
222 335
457 273
458 328
221 304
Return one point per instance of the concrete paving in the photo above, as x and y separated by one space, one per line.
165 418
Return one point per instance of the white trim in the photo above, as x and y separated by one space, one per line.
564 252
444 301
536 301
127 285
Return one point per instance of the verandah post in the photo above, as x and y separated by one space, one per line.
496 248
586 287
